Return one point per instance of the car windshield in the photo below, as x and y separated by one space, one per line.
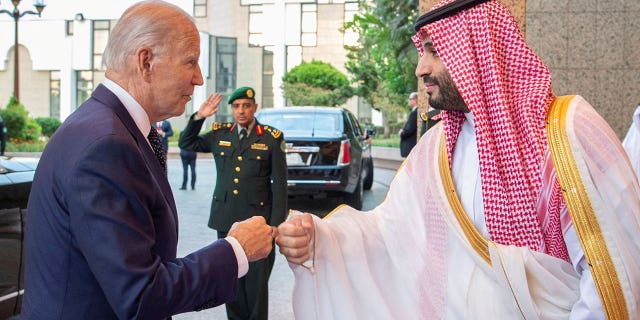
304 122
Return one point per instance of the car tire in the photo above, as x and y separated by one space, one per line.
355 199
368 179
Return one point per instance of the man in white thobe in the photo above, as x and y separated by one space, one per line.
518 204
631 141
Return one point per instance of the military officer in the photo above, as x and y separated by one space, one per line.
251 181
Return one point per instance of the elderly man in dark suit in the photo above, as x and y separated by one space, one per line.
102 233
251 181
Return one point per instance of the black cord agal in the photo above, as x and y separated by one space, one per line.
445 11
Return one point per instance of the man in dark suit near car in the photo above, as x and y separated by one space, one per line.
251 181
165 131
409 133
102 231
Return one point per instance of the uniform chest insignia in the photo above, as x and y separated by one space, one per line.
259 146
224 143
423 116
220 125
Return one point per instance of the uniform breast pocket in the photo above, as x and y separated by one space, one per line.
222 152
259 163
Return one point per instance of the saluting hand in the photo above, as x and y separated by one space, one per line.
294 238
255 237
210 106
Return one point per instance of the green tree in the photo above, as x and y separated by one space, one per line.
383 64
316 83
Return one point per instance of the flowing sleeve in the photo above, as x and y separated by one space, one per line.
372 264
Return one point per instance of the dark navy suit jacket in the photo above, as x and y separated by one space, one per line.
102 228
409 136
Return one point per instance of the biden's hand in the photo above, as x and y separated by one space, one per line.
255 236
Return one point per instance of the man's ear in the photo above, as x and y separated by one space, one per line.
143 58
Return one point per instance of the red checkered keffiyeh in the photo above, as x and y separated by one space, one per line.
508 90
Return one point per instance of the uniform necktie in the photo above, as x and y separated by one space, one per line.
156 145
243 134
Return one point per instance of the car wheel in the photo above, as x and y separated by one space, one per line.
368 179
355 199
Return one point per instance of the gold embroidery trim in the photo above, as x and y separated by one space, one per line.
506 275
479 243
582 214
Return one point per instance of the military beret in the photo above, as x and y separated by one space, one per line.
242 93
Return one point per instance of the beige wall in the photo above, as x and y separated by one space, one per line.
591 48
30 81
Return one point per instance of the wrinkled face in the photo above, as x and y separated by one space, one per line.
244 111
175 73
443 94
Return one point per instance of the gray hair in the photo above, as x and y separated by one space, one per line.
413 95
146 23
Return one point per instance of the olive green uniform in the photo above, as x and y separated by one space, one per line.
251 181
251 175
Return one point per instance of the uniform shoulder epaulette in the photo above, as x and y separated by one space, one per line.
424 116
273 131
221 125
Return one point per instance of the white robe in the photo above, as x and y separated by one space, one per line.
631 141
409 258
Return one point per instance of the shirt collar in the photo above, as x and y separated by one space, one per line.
136 111
249 128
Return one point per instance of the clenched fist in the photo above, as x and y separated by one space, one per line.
255 237
294 238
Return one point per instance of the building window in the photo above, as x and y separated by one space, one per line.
200 8
84 86
69 27
256 26
294 56
101 29
350 36
267 77
309 25
226 63
54 94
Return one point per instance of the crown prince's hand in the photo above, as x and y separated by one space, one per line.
294 238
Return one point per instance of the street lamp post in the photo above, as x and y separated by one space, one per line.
16 15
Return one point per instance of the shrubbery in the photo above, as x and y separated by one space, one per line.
15 118
49 125
24 133
316 83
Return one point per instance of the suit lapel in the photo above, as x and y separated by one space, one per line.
109 99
